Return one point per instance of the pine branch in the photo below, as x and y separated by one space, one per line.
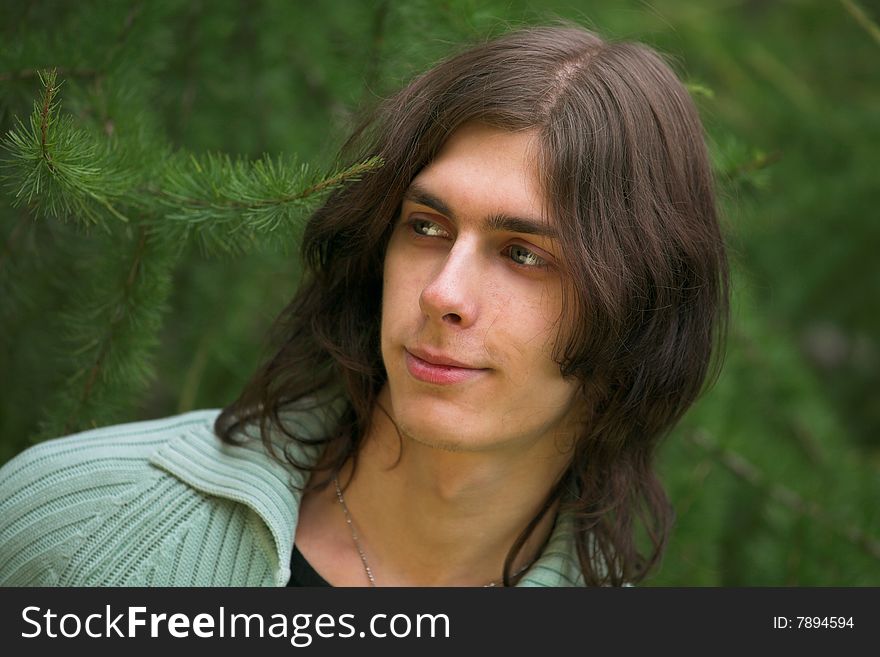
112 322
335 180
751 474
62 171
49 83
118 315
227 205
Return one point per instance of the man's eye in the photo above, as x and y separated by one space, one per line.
522 256
428 228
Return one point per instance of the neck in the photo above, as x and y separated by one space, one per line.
431 517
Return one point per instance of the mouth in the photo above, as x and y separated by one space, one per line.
439 369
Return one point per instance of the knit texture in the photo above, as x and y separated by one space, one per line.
166 503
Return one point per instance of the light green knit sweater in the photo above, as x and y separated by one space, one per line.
165 503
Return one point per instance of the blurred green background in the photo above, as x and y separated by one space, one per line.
775 474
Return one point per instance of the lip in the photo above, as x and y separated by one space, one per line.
439 369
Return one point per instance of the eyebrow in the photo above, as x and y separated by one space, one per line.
497 222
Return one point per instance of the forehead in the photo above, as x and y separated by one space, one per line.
483 170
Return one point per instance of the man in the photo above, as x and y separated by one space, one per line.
494 331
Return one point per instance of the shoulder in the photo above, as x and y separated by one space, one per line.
95 464
123 504
116 450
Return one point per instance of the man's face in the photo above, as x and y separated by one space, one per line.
472 301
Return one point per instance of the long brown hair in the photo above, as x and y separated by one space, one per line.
629 184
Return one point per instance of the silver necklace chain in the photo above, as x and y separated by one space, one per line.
360 549
354 535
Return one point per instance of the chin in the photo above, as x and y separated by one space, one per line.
452 419
441 428
453 434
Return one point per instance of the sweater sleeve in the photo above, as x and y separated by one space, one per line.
90 510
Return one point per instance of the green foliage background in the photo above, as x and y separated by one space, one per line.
143 260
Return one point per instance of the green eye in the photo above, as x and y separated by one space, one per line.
522 256
428 228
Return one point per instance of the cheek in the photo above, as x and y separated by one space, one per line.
400 291
524 352
530 327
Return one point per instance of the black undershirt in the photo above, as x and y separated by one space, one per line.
302 573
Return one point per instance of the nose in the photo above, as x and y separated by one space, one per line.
451 295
